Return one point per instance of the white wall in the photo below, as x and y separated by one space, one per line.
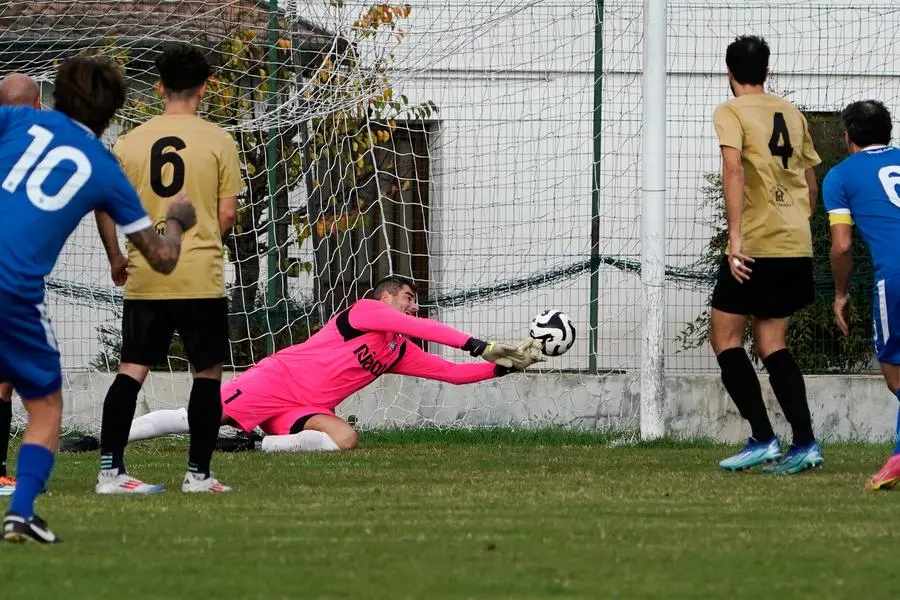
843 408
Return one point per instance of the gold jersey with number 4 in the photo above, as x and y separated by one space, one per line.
776 150
162 157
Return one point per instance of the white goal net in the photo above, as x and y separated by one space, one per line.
488 149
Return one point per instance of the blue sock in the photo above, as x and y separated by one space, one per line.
33 468
897 443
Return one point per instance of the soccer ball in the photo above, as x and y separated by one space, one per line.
554 330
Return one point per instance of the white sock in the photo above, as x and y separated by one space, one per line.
305 441
159 423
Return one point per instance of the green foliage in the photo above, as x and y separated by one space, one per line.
355 112
349 175
812 337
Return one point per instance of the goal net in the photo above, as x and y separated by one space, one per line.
490 150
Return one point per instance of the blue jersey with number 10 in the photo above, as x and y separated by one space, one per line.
864 189
53 171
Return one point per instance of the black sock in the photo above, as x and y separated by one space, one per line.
787 383
118 413
742 384
204 419
5 427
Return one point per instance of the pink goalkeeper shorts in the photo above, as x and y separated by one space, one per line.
250 407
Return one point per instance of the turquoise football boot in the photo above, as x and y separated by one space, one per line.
753 454
798 459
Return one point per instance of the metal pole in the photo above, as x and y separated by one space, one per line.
272 180
595 192
653 218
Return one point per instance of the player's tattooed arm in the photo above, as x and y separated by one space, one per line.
162 251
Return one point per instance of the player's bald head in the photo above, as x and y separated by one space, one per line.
18 89
867 122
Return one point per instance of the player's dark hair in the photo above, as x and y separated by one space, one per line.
747 58
867 122
182 68
89 89
393 284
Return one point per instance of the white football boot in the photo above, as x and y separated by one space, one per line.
110 481
198 483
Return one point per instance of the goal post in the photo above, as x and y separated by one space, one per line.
653 220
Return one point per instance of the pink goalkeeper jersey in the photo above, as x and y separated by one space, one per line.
355 347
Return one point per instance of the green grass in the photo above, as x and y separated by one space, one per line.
487 514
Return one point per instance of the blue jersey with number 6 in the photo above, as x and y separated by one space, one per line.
53 171
864 189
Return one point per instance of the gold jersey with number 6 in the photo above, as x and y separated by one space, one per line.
162 157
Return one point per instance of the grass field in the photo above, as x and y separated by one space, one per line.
468 515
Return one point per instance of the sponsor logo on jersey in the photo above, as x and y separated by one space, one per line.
367 361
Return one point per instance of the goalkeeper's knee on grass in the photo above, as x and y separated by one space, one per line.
305 441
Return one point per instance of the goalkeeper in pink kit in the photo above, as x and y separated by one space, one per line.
292 394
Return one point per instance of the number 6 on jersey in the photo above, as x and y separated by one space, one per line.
160 156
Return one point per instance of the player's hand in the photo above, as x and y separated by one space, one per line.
841 304
118 268
182 211
502 354
496 352
531 349
738 261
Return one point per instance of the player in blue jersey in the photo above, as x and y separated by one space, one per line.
863 190
16 89
53 171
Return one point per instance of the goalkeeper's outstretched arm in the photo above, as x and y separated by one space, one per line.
372 315
415 362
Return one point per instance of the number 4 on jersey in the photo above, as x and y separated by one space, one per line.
780 142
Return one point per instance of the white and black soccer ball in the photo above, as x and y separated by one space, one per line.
555 332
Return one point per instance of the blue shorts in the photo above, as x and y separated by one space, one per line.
886 320
29 353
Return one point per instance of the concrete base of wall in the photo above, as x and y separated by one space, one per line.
843 407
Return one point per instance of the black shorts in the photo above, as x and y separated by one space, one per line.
202 324
300 424
777 288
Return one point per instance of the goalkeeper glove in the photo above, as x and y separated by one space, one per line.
531 353
496 352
